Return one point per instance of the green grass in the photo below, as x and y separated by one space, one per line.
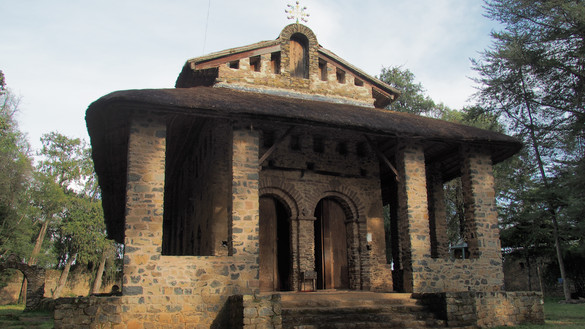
565 316
13 317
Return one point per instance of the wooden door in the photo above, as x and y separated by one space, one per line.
331 246
268 247
274 240
299 59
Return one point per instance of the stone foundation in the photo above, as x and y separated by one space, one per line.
486 309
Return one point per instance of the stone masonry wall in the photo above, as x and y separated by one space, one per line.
413 219
179 290
344 169
483 272
494 309
350 89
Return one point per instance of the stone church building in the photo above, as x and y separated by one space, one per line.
258 183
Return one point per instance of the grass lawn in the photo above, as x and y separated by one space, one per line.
13 317
559 316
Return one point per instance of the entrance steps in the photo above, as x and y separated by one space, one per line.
334 309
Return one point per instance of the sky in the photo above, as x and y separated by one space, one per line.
61 55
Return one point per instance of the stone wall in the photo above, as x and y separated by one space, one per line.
326 78
176 290
425 271
494 309
312 164
107 312
89 312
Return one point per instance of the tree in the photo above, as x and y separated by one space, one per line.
15 171
413 98
79 233
533 79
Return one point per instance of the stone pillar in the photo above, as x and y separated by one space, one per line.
437 213
413 218
481 219
306 244
144 199
354 262
245 199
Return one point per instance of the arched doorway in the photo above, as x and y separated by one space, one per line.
275 248
331 246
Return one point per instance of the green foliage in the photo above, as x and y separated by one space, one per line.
81 231
412 98
15 171
532 80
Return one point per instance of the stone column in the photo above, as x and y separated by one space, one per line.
437 214
413 218
354 262
306 244
245 200
144 200
481 219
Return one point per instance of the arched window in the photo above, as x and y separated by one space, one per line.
299 56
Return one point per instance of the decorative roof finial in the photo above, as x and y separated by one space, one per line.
297 12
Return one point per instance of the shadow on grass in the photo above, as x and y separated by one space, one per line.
14 317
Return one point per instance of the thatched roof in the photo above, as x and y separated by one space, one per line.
107 122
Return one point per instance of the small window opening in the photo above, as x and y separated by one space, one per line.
362 149
318 144
340 76
358 82
363 172
268 138
275 62
295 143
342 148
255 63
234 64
323 70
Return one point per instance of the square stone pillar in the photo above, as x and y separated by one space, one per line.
437 213
306 247
481 218
144 199
245 215
413 218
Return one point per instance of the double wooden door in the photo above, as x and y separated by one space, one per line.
331 246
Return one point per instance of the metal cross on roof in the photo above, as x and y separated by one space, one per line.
297 12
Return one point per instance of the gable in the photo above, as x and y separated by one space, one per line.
293 65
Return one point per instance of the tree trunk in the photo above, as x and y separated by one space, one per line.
33 258
97 283
550 202
63 277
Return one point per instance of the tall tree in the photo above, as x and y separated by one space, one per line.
413 98
79 234
15 174
533 77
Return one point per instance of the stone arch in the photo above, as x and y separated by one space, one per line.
353 212
284 197
292 29
35 276
290 36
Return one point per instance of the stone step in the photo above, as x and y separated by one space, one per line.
342 309
345 299
322 316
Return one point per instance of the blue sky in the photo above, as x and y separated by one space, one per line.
60 55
